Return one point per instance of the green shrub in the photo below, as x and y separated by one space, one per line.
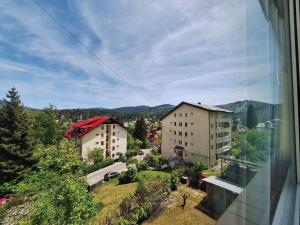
91 168
129 176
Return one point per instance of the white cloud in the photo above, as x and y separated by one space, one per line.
151 52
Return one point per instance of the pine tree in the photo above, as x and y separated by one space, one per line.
16 144
140 131
251 117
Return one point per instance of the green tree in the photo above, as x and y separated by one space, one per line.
140 131
58 188
96 155
133 146
16 145
46 128
251 117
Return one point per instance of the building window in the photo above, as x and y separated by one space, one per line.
117 146
114 133
102 142
113 141
97 143
174 131
192 123
186 144
114 126
180 133
186 124
113 148
175 124
180 142
192 113
180 124
113 155
185 134
102 135
211 136
97 134
175 115
102 127
117 139
180 114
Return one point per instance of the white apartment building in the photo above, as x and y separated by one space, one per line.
194 131
99 132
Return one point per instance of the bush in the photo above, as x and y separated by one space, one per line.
96 155
91 168
142 166
153 161
129 176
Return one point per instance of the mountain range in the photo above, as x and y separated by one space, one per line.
264 111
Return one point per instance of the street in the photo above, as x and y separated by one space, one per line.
97 177
141 157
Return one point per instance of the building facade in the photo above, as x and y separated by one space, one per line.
193 132
99 132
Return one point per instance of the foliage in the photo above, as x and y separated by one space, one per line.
133 146
194 172
128 176
47 130
91 168
146 200
176 174
16 144
57 188
254 145
121 157
140 131
251 117
153 161
96 155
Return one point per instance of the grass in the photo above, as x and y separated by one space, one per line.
152 174
174 214
110 194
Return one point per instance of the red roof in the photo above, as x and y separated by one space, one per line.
86 126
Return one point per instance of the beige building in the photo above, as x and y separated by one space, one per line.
194 131
99 132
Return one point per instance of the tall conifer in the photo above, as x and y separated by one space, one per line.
16 144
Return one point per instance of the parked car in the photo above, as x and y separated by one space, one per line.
110 175
141 153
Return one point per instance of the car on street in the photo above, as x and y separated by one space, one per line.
110 175
141 153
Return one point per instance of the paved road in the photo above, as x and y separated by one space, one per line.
141 157
98 176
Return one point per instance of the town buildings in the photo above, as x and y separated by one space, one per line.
99 132
193 132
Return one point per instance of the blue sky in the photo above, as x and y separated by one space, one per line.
147 52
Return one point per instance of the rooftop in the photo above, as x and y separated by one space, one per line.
223 184
83 127
200 106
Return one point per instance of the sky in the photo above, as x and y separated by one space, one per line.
80 54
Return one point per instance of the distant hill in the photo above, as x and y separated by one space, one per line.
264 111
129 112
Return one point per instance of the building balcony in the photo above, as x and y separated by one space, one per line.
223 139
223 149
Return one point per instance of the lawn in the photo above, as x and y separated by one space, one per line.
109 196
175 215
